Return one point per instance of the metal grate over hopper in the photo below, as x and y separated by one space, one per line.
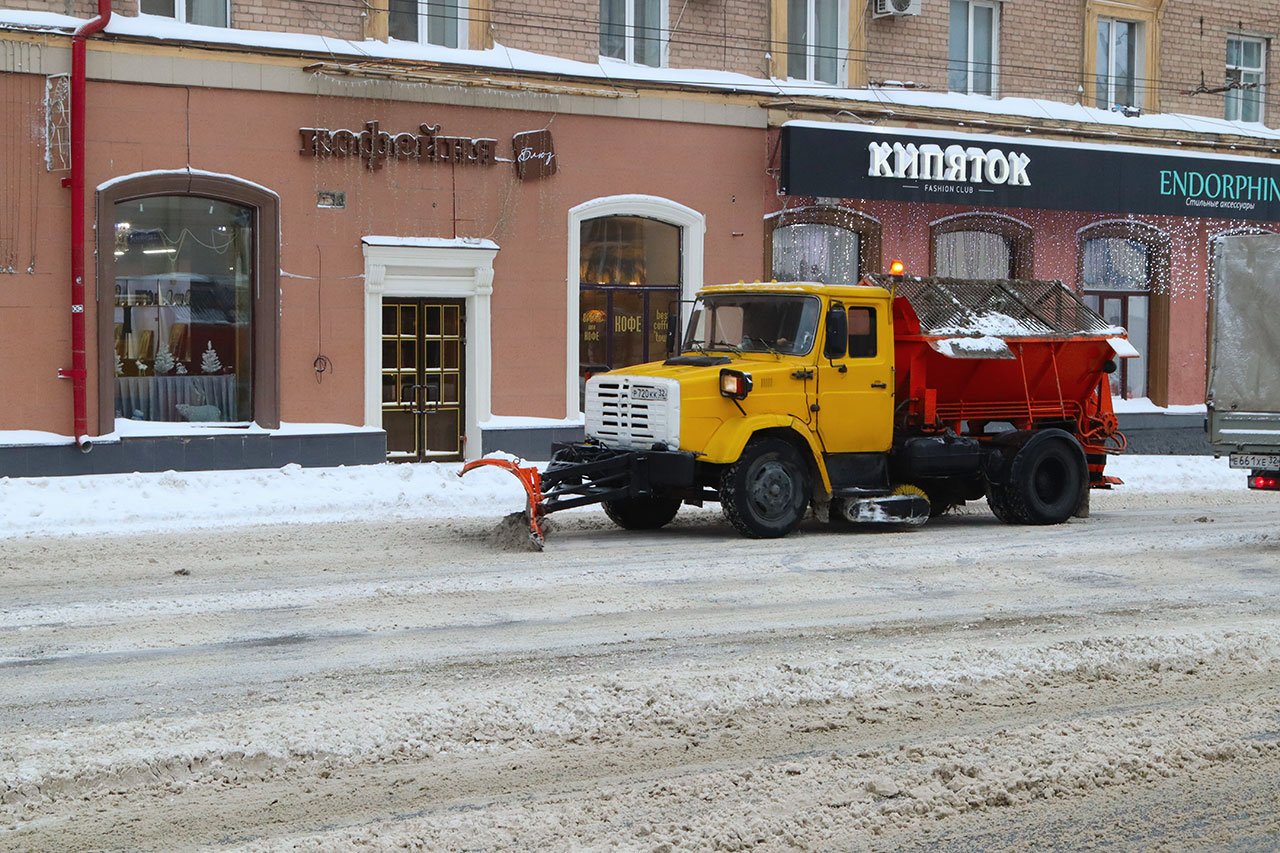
1000 307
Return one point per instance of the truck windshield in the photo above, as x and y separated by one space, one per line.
754 323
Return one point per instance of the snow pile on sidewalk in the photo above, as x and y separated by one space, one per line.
136 503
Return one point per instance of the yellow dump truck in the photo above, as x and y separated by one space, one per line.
889 401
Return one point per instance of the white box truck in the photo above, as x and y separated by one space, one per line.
1243 394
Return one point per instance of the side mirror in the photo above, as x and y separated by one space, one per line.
837 333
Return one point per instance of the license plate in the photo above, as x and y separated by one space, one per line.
641 392
1265 461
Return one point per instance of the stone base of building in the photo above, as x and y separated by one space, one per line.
195 453
1165 433
528 442
1148 433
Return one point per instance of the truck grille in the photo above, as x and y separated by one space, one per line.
633 412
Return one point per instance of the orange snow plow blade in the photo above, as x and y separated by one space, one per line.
531 479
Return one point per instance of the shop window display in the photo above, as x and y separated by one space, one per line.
629 275
973 254
815 252
1117 284
183 310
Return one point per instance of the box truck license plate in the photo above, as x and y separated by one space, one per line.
1266 461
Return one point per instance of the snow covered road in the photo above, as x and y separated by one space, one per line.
401 682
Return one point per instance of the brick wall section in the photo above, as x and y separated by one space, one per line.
78 8
723 35
910 48
1186 52
1041 45
565 28
336 18
1041 50
1041 41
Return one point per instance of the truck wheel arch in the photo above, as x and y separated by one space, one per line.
728 443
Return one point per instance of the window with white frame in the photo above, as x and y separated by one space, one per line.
1246 68
442 22
1120 59
209 13
631 30
974 47
815 31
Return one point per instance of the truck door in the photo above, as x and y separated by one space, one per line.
855 393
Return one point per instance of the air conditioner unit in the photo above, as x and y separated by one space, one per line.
885 8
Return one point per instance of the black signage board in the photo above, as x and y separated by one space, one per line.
1006 171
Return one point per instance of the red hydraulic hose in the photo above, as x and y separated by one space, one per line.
78 374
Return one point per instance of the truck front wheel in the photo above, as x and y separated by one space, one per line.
1047 481
765 493
642 513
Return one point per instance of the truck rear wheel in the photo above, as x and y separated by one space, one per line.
1046 482
642 512
766 492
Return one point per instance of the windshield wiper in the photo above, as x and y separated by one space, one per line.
764 343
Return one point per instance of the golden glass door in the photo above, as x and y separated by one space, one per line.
422 379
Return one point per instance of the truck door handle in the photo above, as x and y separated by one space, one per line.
879 385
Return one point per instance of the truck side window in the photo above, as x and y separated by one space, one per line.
862 332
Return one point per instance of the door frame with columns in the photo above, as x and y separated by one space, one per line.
432 268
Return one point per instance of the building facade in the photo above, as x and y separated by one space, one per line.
343 232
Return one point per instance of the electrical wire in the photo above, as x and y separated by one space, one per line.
568 24
574 25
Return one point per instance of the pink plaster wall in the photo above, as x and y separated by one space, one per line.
254 136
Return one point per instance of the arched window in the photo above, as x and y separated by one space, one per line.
629 275
632 259
1123 270
825 244
982 245
187 305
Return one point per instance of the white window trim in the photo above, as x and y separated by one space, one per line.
842 45
629 35
464 15
452 272
994 6
180 12
464 24
1261 71
693 228
1139 61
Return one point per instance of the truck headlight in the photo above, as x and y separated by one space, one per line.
735 384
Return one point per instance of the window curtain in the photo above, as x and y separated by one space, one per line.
973 254
815 252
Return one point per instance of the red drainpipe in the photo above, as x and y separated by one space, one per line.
78 374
